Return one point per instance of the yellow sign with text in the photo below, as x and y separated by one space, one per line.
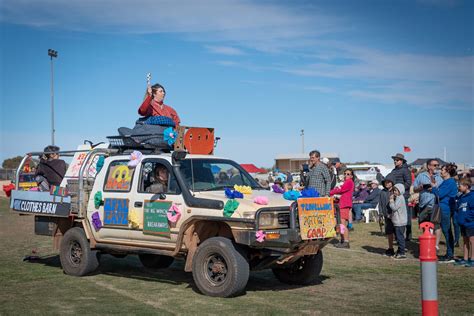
316 217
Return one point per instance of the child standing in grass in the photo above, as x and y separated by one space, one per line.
399 218
465 217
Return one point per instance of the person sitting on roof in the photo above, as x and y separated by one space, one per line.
153 104
51 169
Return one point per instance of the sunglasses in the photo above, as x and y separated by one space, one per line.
437 165
397 160
348 174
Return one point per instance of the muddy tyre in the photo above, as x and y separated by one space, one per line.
302 272
155 261
75 253
219 269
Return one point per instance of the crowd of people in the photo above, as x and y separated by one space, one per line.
434 193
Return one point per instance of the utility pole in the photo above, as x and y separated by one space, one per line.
302 141
445 154
53 54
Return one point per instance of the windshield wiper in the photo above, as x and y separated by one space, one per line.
217 188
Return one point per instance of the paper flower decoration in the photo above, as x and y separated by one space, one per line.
309 192
134 219
96 222
277 189
174 213
291 195
262 200
244 189
135 158
342 229
98 199
231 194
169 136
230 207
260 236
100 163
8 189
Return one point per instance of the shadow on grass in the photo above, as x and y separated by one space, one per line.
130 267
376 250
378 233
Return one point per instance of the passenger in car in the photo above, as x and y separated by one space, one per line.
160 184
51 169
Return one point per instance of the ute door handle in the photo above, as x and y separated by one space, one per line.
138 204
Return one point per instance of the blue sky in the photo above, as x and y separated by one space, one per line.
362 78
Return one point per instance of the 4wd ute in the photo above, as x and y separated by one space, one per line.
115 211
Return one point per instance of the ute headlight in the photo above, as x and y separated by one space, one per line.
266 220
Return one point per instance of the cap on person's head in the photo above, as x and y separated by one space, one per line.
374 182
387 179
325 160
51 149
399 156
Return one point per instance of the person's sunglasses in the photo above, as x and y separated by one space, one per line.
397 160
435 165
348 174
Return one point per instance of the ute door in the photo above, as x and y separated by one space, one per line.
156 191
115 207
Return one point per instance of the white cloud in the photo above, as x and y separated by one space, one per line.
225 50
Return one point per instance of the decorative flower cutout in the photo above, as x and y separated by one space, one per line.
260 236
231 194
244 189
96 222
174 213
134 219
262 200
98 199
309 192
99 164
169 136
230 207
135 158
291 195
277 189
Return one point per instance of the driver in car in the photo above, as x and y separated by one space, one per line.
160 185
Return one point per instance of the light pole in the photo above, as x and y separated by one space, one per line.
53 54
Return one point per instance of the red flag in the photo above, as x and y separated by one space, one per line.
406 149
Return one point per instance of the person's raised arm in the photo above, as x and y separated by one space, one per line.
144 109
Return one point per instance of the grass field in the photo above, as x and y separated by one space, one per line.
355 281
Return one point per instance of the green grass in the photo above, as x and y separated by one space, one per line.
355 281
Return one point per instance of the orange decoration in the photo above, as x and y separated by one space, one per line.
199 140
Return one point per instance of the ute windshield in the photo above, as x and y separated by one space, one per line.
214 174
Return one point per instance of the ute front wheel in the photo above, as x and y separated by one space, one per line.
219 269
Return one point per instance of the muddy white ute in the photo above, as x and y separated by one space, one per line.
111 209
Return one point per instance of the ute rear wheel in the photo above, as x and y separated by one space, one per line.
155 261
75 253
301 272
219 269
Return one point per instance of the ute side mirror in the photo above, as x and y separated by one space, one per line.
178 155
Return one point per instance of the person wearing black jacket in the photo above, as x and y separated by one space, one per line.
401 174
51 169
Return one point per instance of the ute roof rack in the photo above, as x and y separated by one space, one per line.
150 143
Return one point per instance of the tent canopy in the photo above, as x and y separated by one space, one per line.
251 168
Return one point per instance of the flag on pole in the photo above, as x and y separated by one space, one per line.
406 149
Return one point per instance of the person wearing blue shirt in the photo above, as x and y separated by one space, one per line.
446 193
422 184
465 217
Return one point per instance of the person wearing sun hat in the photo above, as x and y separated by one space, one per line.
401 174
